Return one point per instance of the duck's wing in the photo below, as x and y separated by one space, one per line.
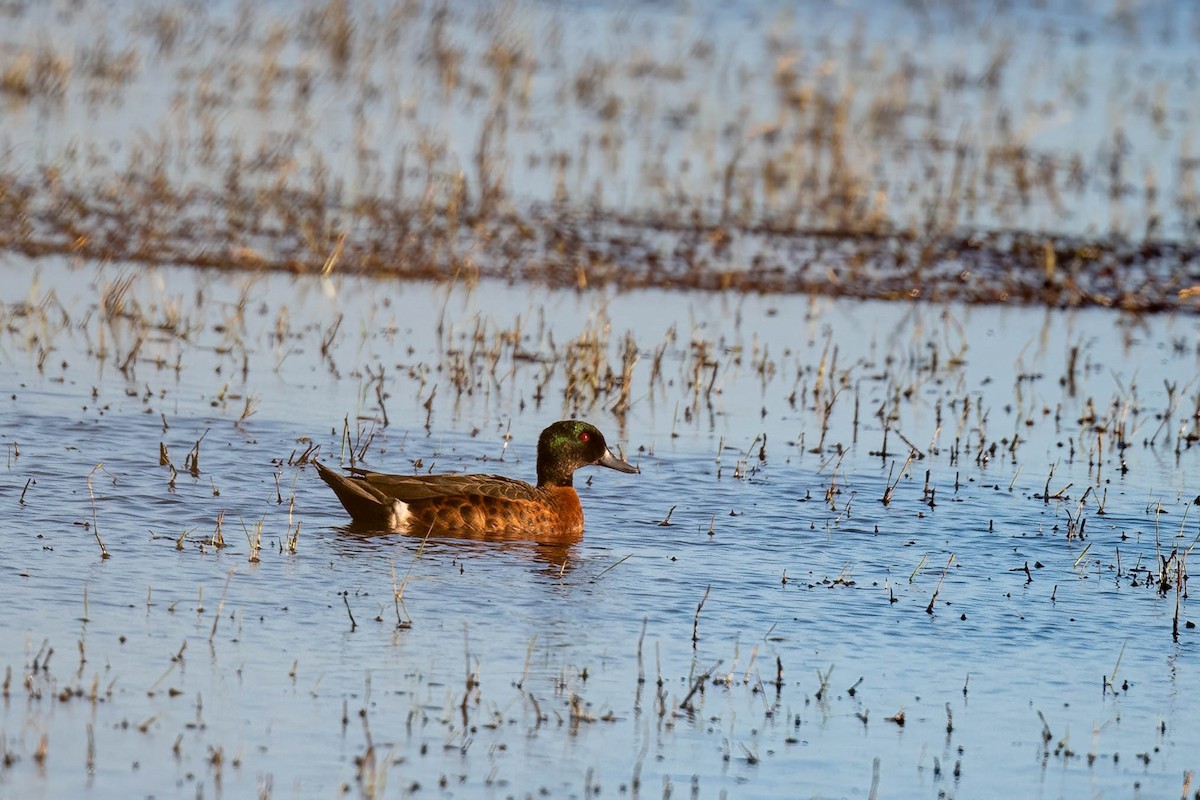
411 488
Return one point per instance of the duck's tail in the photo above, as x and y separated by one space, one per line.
360 501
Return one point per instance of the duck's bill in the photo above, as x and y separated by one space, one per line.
612 462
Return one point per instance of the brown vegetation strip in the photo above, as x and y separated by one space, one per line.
141 220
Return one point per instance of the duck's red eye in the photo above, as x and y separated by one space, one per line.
585 437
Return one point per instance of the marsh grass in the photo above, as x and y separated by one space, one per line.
104 554
832 170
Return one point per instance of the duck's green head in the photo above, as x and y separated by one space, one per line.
570 444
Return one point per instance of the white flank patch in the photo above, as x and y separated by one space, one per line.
400 516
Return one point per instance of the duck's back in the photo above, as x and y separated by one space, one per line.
430 487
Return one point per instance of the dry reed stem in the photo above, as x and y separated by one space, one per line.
95 525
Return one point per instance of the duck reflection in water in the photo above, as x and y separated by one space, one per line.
557 557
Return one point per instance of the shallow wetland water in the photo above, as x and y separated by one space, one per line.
175 663
892 303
